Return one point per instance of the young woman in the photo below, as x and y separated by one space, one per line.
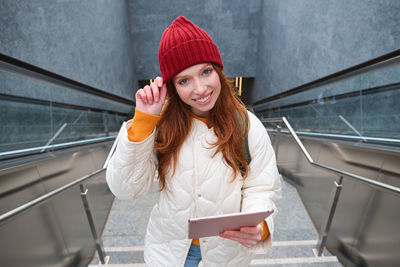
188 131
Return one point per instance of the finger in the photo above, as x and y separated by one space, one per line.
244 242
159 81
149 94
251 230
140 94
163 91
241 235
155 91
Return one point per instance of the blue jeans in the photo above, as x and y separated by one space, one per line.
193 257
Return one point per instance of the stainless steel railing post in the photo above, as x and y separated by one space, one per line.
277 137
323 236
96 238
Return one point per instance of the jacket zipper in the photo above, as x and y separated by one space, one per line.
197 142
194 184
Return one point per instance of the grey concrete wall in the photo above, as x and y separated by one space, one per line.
85 40
111 44
304 40
233 25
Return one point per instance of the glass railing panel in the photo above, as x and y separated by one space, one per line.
381 114
36 115
373 78
24 125
32 125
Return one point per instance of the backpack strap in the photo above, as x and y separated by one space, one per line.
245 139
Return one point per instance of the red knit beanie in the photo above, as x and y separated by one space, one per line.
184 44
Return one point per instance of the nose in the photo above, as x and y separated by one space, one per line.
199 87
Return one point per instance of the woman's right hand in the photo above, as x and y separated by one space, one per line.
151 98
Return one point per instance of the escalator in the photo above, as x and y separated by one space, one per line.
55 137
347 171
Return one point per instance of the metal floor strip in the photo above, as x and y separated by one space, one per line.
121 265
274 244
296 260
294 243
123 249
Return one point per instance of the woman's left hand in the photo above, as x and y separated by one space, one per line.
247 236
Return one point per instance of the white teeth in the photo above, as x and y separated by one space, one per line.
204 99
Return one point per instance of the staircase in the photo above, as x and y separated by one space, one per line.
294 238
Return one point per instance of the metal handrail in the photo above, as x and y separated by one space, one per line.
8 215
19 210
18 67
347 137
369 181
61 145
325 228
390 58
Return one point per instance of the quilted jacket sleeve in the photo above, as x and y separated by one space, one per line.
132 168
262 188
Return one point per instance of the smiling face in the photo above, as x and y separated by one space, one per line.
198 86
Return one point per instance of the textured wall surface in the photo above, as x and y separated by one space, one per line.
111 44
86 40
304 40
232 24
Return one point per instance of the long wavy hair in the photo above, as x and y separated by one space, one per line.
176 122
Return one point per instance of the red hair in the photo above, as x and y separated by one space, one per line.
176 121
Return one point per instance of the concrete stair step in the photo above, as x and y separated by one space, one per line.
296 253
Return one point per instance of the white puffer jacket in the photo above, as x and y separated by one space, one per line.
201 186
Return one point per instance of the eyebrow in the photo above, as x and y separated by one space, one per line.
178 77
184 76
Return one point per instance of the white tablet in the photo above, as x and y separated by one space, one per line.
213 225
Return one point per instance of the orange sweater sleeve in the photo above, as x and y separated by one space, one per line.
265 232
142 126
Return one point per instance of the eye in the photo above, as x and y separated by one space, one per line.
207 71
183 81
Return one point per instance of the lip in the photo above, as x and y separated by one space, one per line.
204 103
